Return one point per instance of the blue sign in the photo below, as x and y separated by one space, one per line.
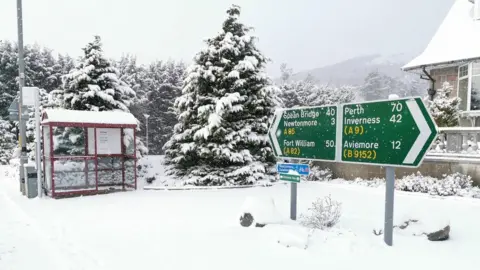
286 168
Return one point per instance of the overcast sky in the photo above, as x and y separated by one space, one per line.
303 33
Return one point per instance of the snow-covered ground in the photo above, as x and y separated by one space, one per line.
199 229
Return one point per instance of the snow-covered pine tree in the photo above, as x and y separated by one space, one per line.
164 86
39 71
94 86
162 116
8 75
444 109
30 131
224 112
330 95
288 89
378 86
136 77
131 73
7 142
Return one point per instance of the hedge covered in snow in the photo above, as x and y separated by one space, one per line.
455 184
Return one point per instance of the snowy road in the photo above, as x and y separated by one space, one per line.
199 230
22 242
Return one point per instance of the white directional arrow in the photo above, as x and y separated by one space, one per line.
274 130
424 129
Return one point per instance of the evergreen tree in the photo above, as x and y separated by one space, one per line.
130 73
30 131
163 83
330 95
444 109
162 116
39 71
289 95
7 142
378 86
224 112
8 76
307 93
94 86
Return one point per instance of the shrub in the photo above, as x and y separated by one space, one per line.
453 184
324 213
318 174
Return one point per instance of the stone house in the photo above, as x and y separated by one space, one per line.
453 55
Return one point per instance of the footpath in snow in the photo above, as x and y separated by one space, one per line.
199 229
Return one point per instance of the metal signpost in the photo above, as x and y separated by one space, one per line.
291 172
390 133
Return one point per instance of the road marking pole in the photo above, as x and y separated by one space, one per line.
293 201
389 198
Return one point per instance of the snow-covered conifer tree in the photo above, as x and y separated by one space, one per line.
94 86
30 131
224 112
378 86
444 109
7 142
8 76
162 116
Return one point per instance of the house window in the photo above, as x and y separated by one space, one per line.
475 93
463 87
441 79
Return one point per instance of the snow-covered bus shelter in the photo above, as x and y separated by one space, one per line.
88 152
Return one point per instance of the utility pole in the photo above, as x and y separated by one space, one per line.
21 72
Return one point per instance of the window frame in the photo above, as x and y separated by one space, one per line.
468 83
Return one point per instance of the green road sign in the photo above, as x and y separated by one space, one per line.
290 178
305 133
394 133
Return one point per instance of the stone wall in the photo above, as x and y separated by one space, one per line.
434 169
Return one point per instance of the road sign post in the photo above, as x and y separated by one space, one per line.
389 198
291 172
293 201
391 133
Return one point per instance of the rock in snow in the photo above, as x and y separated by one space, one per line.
259 211
440 235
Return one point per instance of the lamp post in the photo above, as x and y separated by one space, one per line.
146 132
21 72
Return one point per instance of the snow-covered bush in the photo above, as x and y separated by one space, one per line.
319 174
415 183
375 182
445 109
454 184
324 213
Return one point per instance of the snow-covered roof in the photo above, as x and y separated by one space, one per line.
457 39
88 117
